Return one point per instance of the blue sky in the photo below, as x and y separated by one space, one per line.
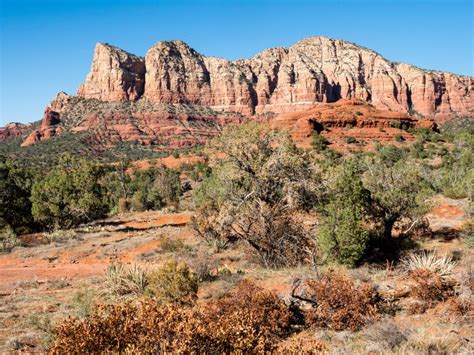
47 45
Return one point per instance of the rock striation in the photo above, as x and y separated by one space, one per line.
175 97
115 75
317 69
50 121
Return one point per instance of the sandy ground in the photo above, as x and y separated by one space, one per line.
42 280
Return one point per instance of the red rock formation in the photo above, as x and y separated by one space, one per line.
346 118
115 75
177 97
51 118
13 130
313 70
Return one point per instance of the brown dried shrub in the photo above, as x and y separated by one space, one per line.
249 319
339 304
418 307
299 345
461 307
430 286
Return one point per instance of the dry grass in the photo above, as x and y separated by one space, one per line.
122 280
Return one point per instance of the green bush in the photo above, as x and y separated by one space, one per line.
399 138
8 240
173 283
455 179
15 204
319 142
351 140
69 195
341 234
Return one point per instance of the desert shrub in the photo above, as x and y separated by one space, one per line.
139 203
260 317
214 226
123 205
168 245
118 187
427 343
168 184
340 304
418 307
387 334
417 149
43 324
443 266
351 140
122 280
319 142
342 235
396 124
430 286
399 138
141 190
455 179
398 191
252 192
61 236
204 267
200 171
8 240
15 191
173 283
247 320
69 195
390 154
83 302
299 345
276 238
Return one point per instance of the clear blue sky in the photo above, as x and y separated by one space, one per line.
47 45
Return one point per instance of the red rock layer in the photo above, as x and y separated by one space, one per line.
13 130
313 70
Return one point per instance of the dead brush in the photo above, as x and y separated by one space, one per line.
122 280
430 286
337 303
248 320
431 276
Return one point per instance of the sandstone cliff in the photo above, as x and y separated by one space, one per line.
313 70
175 97
115 75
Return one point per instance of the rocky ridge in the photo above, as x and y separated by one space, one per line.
176 97
313 70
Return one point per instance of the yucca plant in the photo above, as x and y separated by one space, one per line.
122 280
440 265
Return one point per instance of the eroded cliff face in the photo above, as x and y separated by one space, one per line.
115 75
277 80
175 97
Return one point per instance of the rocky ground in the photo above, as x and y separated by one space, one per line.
61 274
